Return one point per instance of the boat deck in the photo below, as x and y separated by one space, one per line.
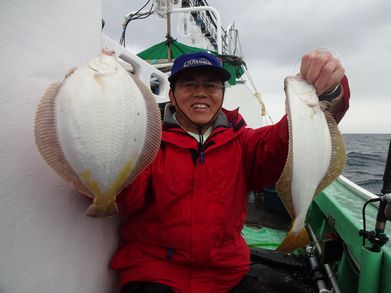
277 272
259 215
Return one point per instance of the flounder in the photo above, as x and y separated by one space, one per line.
316 156
98 128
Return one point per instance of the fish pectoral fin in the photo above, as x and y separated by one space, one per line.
293 241
102 209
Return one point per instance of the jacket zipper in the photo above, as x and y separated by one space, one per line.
201 145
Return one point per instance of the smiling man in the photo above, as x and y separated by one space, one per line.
185 212
197 90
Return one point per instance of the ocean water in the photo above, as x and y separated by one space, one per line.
367 155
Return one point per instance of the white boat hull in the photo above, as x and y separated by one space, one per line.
47 242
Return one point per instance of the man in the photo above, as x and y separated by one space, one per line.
185 212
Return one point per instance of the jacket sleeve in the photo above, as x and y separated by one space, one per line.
132 197
340 104
265 153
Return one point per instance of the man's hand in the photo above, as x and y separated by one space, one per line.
322 70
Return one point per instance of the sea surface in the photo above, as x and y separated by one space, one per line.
367 155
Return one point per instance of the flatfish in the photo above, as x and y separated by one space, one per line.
316 156
98 129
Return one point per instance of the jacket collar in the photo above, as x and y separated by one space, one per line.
228 125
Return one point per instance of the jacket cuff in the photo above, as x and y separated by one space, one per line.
339 105
332 94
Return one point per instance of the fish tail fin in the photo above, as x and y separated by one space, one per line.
293 241
98 210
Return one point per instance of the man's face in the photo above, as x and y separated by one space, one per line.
198 95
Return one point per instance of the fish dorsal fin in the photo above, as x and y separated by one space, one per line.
153 131
338 154
47 140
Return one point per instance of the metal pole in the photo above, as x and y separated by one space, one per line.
327 268
200 8
168 36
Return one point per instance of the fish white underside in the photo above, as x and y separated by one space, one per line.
99 128
311 146
316 157
102 126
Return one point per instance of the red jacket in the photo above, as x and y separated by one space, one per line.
185 212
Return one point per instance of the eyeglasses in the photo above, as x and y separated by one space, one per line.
209 86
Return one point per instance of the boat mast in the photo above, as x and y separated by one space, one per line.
168 37
207 8
165 8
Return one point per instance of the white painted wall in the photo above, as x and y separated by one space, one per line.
47 244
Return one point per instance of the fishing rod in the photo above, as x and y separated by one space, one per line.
371 257
377 237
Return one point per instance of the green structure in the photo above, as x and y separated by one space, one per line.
337 214
159 53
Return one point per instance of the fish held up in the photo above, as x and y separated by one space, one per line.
98 129
316 157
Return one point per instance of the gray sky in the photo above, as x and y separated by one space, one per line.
274 34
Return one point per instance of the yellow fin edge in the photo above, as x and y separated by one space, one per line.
293 241
104 204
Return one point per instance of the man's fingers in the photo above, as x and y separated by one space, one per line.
305 64
312 63
322 70
327 77
329 80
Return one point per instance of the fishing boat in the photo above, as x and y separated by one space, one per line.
337 259
48 245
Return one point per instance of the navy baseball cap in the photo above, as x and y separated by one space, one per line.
190 61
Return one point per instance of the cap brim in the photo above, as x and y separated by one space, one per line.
224 74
